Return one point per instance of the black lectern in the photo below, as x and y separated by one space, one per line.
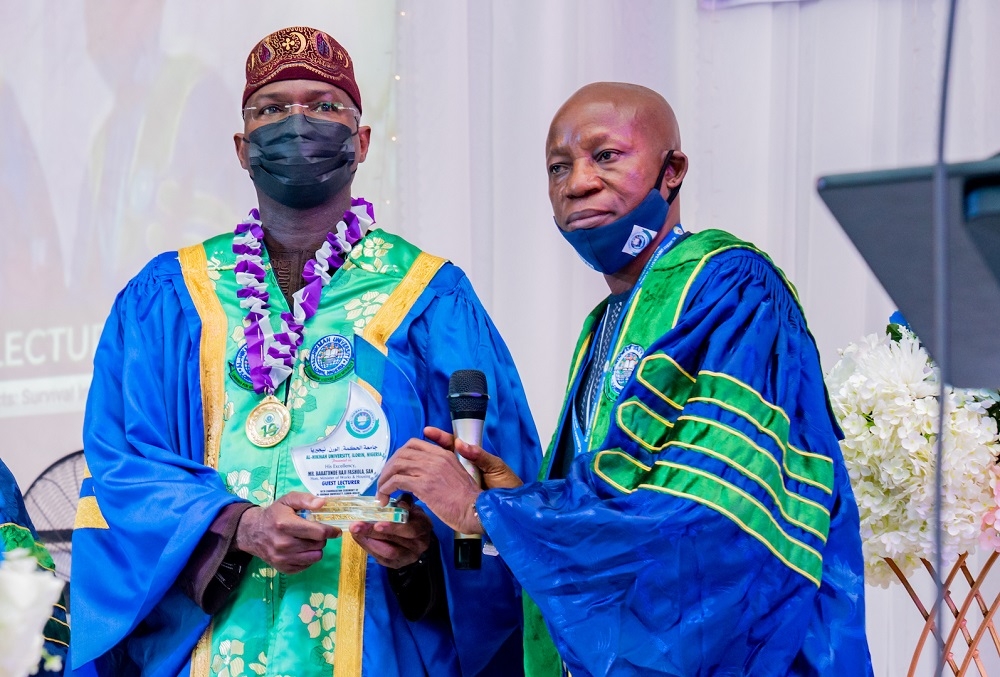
888 216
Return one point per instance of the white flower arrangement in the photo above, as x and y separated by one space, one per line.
884 392
26 598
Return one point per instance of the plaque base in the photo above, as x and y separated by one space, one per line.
341 511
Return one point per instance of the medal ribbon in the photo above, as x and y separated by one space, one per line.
271 354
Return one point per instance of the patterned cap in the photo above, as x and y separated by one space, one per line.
300 53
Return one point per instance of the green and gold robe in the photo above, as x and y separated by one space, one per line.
166 445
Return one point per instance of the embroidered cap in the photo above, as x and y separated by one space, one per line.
300 53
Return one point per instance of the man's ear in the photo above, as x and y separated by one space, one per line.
364 139
676 171
242 149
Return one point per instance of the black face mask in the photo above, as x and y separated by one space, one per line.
301 162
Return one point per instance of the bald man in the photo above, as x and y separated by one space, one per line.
694 515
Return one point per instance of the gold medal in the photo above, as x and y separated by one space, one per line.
268 423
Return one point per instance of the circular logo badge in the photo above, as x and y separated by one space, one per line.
330 359
239 369
623 367
268 423
362 423
639 240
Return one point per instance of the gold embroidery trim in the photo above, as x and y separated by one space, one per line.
88 514
349 638
376 395
350 608
201 657
391 314
194 268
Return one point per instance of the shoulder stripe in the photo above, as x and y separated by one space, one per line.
806 467
672 378
626 474
641 423
704 260
757 464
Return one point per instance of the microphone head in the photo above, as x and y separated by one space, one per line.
468 394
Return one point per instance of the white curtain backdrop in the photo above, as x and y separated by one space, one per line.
116 118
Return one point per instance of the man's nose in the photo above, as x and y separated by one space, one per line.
583 178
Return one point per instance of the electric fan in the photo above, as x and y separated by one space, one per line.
51 501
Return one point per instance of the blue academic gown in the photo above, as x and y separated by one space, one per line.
669 558
144 442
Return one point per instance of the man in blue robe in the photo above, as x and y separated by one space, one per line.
694 514
190 556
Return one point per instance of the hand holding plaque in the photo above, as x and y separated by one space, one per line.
344 464
341 511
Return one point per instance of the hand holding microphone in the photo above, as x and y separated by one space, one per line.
468 399
494 472
435 470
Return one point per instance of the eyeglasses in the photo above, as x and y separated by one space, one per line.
330 111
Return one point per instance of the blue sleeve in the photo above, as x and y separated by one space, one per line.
716 532
452 331
144 446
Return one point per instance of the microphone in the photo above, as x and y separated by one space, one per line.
468 397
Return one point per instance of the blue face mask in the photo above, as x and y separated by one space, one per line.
609 248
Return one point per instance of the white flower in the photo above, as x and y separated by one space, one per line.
229 661
319 614
884 394
238 482
26 598
362 309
